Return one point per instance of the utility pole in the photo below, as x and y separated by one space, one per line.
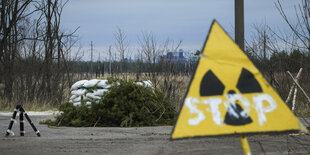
99 59
91 51
110 55
239 23
264 44
91 56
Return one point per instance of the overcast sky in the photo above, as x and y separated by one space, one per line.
186 20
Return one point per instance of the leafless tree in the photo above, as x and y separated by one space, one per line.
34 50
300 27
150 48
121 46
12 14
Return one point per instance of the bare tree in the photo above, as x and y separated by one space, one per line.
300 27
151 49
121 46
34 51
12 14
262 46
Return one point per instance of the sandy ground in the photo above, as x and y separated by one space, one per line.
143 140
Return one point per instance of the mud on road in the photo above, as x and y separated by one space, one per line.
142 140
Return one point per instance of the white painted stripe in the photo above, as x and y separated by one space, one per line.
11 132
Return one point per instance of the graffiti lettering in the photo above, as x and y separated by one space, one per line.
260 109
214 103
191 104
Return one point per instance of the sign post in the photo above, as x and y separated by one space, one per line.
239 38
239 23
245 145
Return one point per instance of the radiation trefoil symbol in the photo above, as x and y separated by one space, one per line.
235 115
228 95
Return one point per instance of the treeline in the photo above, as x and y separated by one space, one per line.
136 68
37 65
33 52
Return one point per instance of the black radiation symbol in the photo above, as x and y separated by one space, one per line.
235 115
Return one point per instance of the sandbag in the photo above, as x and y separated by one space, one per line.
102 83
73 97
100 92
139 83
76 103
78 92
148 83
92 96
78 84
88 103
77 99
91 83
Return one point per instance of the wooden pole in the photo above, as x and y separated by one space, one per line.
239 39
239 23
302 90
293 86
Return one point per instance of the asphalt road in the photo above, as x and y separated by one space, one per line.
142 140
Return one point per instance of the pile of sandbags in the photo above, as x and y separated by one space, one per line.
89 91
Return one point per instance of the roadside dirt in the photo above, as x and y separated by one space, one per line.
142 140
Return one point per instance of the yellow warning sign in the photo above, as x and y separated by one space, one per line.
228 95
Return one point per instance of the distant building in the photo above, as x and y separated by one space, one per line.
128 59
175 57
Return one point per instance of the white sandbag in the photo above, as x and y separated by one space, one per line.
78 84
92 96
85 98
78 92
77 103
148 83
108 86
91 83
100 92
102 83
139 83
77 99
73 97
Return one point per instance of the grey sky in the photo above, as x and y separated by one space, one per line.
186 20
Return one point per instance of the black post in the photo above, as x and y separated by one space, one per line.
29 120
239 23
12 120
21 123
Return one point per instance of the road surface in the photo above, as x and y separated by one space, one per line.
142 140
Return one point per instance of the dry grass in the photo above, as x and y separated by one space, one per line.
174 86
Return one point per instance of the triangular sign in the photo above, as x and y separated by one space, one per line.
228 95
